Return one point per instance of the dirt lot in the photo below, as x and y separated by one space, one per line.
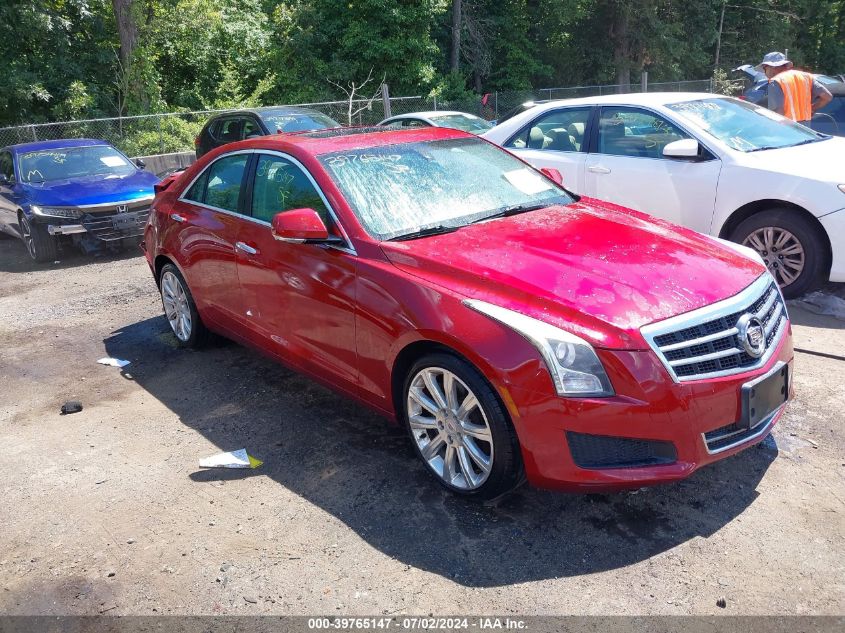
107 511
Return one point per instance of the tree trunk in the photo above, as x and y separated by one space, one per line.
455 62
619 35
127 29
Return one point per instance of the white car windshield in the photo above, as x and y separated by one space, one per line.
63 163
743 126
398 190
465 122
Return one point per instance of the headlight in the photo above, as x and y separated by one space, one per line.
54 212
575 369
842 188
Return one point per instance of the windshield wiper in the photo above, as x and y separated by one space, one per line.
513 210
809 140
429 230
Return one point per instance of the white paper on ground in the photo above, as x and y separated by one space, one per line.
823 303
113 362
232 459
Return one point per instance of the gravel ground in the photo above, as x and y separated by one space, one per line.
106 511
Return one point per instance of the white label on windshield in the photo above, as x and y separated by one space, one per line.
112 161
527 181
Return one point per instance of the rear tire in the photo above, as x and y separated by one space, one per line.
791 246
41 246
180 309
459 428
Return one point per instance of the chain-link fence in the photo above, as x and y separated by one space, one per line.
175 132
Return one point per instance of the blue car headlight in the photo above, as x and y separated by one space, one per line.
68 213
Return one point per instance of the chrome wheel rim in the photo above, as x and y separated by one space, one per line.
781 250
176 306
450 428
26 231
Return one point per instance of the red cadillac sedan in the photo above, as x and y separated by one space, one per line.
513 329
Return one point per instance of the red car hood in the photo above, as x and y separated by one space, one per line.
596 269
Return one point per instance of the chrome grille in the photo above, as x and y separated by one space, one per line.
705 343
103 222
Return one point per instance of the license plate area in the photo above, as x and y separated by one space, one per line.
764 395
125 221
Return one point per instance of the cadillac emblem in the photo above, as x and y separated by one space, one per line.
751 335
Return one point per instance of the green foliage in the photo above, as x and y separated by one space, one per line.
158 136
724 85
61 56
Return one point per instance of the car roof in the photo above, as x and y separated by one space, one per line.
432 114
268 109
350 138
636 98
55 144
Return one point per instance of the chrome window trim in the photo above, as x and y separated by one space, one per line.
349 248
740 301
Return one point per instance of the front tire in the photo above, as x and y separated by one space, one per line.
459 428
41 246
180 309
791 246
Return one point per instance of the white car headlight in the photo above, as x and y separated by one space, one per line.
53 212
842 188
575 368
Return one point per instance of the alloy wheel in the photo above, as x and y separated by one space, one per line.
176 306
450 428
26 231
781 250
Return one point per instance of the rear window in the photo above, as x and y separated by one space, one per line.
297 122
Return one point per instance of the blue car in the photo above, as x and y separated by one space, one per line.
78 191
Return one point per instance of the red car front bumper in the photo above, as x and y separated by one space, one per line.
648 406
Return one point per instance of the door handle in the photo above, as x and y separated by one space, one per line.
246 248
598 169
177 218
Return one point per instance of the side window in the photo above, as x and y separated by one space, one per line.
229 130
197 191
223 182
6 167
560 130
281 185
414 123
251 129
632 132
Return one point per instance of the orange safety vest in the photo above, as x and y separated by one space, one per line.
797 89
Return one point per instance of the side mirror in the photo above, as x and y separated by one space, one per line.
140 163
552 174
300 225
4 180
684 148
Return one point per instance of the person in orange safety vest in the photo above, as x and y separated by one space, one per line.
793 93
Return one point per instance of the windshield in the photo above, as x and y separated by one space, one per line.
743 126
72 162
465 122
282 121
399 189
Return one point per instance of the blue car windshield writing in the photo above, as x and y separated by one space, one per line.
72 162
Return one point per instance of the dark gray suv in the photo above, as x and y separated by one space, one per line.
238 125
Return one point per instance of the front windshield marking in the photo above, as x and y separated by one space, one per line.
743 126
399 189
72 162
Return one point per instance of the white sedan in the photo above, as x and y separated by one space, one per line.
715 164
440 118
